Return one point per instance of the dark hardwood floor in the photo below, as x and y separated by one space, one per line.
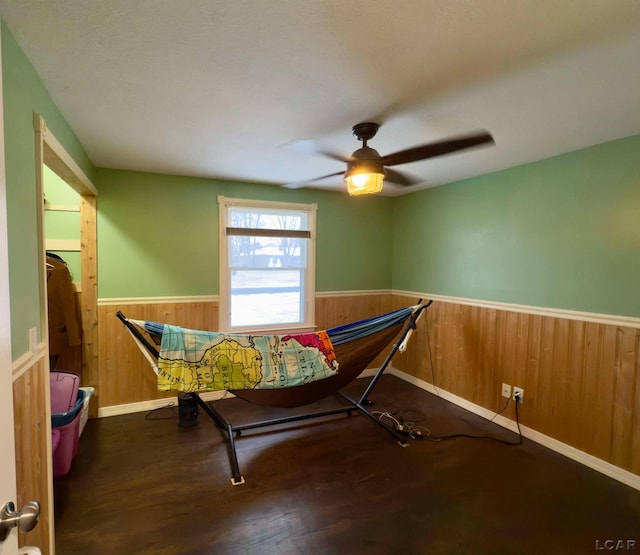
336 485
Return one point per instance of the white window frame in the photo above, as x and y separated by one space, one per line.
224 315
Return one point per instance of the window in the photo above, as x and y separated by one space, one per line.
267 272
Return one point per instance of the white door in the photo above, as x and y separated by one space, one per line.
7 451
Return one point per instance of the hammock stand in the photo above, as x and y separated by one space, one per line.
355 346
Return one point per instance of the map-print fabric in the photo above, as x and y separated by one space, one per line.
194 360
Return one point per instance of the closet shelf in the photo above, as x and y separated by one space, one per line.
61 208
62 245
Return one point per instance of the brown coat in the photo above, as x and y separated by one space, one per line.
64 327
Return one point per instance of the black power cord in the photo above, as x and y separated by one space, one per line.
171 406
411 430
417 434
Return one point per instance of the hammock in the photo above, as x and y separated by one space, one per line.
337 362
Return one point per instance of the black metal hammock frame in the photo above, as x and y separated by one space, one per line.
355 344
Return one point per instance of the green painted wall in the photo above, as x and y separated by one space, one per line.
62 225
562 232
158 234
24 94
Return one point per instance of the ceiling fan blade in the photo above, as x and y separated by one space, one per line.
335 155
400 178
308 146
431 150
299 184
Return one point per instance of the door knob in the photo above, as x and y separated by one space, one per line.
25 520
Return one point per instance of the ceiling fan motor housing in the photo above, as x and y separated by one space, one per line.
364 160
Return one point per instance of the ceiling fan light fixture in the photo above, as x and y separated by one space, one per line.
364 183
364 177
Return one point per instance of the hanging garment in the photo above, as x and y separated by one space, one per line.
64 325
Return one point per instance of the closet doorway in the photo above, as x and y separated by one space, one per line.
34 468
64 272
79 249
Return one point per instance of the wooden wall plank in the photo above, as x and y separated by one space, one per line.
604 434
588 388
572 391
33 468
624 396
635 419
533 364
89 295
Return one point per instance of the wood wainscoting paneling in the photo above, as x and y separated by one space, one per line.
33 467
339 309
125 375
336 310
580 379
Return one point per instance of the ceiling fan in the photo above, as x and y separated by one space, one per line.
366 169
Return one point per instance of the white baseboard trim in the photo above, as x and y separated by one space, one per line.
608 469
368 373
143 406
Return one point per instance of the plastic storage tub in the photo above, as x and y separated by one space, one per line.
66 406
64 391
68 446
59 419
84 413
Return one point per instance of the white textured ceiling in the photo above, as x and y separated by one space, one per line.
217 88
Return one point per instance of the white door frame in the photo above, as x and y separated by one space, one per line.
8 490
50 151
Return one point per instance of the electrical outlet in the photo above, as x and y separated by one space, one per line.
506 390
520 393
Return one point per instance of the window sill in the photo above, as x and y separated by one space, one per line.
273 331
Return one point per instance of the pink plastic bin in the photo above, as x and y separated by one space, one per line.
67 448
64 391
66 405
